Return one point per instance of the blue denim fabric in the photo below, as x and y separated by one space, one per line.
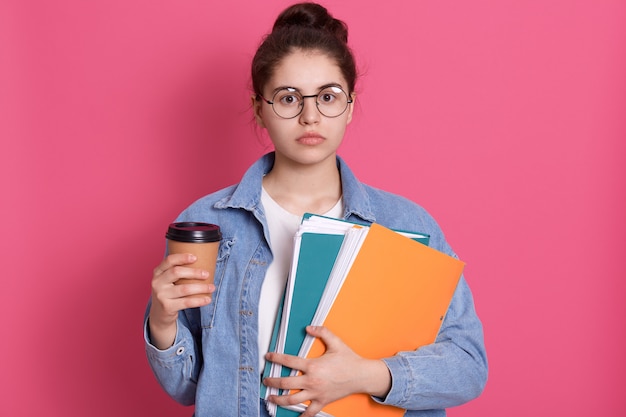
214 360
264 412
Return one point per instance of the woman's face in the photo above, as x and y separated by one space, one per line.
310 137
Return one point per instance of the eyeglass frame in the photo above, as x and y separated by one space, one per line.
317 104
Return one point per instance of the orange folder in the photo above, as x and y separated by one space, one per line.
394 298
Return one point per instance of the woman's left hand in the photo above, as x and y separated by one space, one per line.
338 373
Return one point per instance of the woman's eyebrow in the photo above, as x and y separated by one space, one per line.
284 87
289 87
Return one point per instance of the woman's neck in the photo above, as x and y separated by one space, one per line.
304 189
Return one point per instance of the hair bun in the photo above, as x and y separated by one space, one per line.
303 27
314 16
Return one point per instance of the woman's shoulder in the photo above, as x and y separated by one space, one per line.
204 207
244 195
401 213
385 202
379 205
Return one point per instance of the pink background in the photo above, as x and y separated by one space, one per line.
505 119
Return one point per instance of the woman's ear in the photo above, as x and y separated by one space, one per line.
351 107
258 110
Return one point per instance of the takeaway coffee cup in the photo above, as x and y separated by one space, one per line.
199 239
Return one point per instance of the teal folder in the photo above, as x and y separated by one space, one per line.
315 262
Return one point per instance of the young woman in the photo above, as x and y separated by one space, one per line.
210 351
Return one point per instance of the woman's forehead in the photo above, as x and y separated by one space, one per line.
306 71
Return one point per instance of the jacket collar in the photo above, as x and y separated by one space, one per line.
247 194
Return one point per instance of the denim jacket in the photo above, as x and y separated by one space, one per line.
214 360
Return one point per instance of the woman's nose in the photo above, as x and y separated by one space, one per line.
310 113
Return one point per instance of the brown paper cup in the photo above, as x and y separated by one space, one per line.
199 239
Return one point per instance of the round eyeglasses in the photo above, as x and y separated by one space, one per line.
288 102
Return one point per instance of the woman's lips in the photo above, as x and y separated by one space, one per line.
311 138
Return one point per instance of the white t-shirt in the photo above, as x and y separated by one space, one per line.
283 226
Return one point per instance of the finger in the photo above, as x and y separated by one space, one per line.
290 399
331 340
184 303
290 361
285 383
312 410
180 297
186 273
185 289
173 298
174 260
177 273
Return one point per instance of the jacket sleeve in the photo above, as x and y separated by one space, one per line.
447 373
178 367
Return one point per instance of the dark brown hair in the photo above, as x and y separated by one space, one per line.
305 26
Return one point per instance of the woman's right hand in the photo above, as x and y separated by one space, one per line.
169 298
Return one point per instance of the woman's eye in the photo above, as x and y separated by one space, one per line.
327 97
289 99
